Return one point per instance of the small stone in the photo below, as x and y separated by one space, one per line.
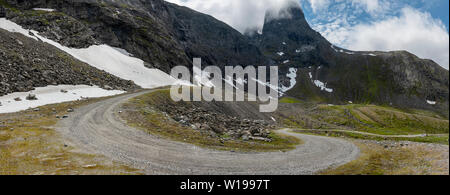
70 110
107 87
31 97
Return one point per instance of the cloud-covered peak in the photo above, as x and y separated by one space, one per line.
243 15
353 24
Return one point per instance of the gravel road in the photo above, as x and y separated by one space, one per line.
95 128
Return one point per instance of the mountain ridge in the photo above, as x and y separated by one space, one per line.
165 35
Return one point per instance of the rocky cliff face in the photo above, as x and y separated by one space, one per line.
165 35
162 34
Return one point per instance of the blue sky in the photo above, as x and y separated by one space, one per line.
418 26
439 9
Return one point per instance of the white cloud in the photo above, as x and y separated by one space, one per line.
414 31
242 15
387 26
370 5
317 5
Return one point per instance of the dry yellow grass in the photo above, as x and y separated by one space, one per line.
362 115
414 159
28 146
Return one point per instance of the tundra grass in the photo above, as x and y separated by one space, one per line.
380 120
289 100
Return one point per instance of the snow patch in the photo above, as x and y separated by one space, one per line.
342 51
44 9
305 48
369 54
334 48
431 102
280 53
52 95
15 28
293 79
323 86
286 61
320 84
115 61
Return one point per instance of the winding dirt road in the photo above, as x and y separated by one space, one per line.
95 128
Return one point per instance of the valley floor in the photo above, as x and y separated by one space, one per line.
95 140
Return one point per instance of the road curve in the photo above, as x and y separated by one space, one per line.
95 128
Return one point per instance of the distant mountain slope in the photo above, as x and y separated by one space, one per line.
330 74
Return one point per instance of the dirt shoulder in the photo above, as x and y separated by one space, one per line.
29 146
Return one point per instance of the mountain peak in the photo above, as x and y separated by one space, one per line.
292 11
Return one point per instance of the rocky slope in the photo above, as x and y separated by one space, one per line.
234 119
165 35
26 63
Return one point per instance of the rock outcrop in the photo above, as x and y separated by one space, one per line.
235 120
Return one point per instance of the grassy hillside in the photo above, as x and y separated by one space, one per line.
382 120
